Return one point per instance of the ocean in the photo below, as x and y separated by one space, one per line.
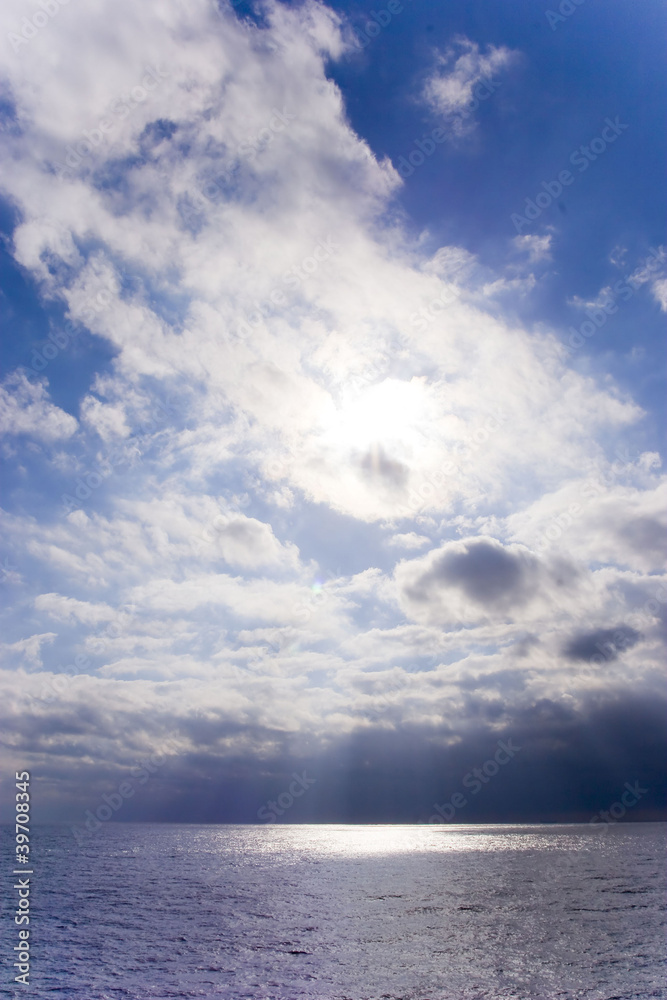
346 913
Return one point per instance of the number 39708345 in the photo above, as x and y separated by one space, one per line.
22 816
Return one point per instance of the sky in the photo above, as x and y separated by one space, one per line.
332 402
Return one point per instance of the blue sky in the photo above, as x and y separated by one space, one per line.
333 404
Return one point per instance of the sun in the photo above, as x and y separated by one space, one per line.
389 415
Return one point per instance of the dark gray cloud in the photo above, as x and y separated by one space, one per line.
601 644
573 762
484 570
480 578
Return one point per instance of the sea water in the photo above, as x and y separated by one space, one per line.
346 913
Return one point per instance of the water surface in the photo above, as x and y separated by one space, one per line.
357 912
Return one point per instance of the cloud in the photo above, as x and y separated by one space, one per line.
246 542
603 298
659 292
26 409
643 274
607 519
601 643
379 467
68 609
483 569
537 247
476 579
223 760
250 353
27 652
109 421
464 77
409 540
618 255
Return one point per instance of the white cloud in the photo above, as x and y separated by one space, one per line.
408 540
464 78
537 247
27 651
618 255
659 292
645 271
246 542
603 298
109 421
650 271
68 609
614 523
26 409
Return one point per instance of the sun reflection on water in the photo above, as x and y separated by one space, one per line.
340 840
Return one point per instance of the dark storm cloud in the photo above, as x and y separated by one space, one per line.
571 763
479 578
606 643
484 570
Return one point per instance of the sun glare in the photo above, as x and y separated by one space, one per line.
389 414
